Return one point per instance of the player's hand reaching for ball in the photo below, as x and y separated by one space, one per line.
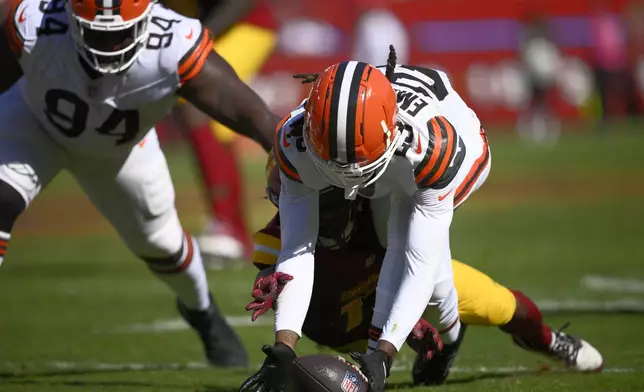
273 376
265 292
376 367
425 340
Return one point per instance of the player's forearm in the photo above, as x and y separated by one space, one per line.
427 249
218 92
408 306
259 124
263 128
393 265
287 337
293 302
388 284
299 221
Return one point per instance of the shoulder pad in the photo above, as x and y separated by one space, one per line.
181 43
289 141
442 156
424 81
24 20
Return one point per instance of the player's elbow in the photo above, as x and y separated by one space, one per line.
300 250
297 261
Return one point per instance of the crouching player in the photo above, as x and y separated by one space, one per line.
348 258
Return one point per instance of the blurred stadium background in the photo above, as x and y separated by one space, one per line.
559 86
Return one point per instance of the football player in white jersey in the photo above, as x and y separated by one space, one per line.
97 76
396 131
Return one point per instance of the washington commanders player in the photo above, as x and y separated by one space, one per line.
401 136
97 76
244 36
348 258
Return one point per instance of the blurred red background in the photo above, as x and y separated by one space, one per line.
475 42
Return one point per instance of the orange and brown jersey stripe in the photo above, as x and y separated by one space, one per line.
278 152
14 38
3 248
192 62
475 172
443 143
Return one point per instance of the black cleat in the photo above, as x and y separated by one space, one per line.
436 370
222 345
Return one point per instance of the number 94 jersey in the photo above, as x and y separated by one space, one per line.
101 115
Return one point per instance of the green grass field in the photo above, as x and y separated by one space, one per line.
77 310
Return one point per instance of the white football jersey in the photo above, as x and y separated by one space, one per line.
107 114
443 137
443 158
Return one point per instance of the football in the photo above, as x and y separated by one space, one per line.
327 373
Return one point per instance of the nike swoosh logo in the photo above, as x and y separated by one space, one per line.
22 18
189 36
419 147
441 198
284 140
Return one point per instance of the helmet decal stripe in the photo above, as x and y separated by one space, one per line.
333 111
350 127
345 106
354 89
105 8
108 7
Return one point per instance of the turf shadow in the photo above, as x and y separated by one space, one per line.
214 388
476 377
467 380
57 373
87 384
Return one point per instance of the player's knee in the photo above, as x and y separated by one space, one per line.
497 307
159 236
11 206
525 308
156 245
443 306
177 261
166 250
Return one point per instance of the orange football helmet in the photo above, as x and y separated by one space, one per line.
109 34
350 127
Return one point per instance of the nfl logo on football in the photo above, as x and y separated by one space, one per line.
351 382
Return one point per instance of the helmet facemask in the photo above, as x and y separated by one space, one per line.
353 102
108 44
354 176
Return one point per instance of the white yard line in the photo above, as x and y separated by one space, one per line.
576 305
546 305
613 284
178 324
